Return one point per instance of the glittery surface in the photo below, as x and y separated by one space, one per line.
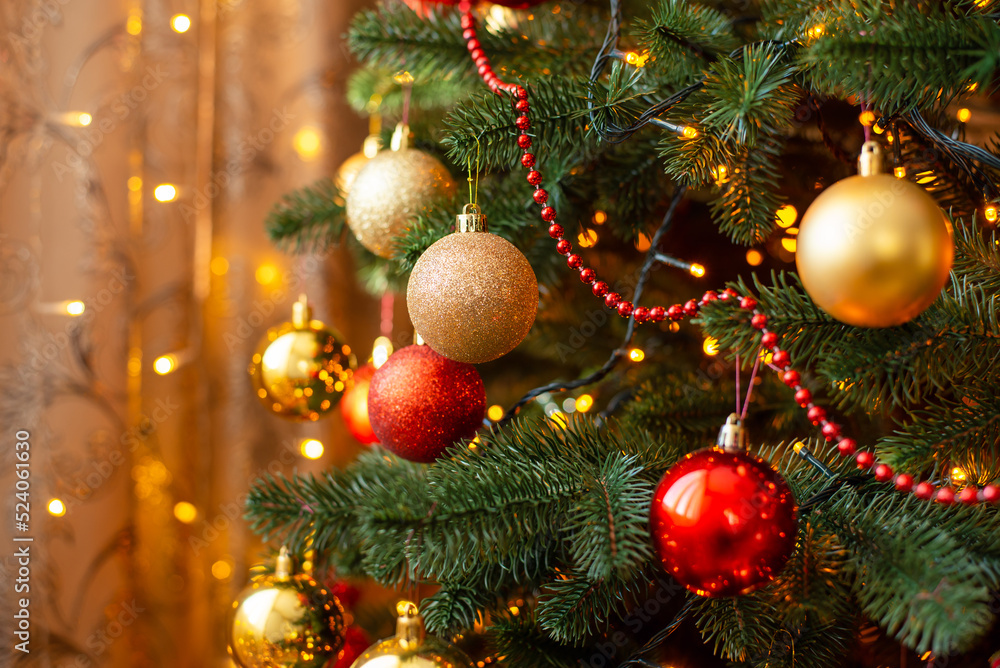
874 251
390 191
472 296
300 374
420 403
723 523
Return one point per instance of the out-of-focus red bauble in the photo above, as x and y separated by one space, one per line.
723 522
356 641
421 402
354 406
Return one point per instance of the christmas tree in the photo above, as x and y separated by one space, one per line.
664 151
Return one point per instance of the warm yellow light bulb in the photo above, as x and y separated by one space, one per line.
786 215
495 412
180 22
642 243
958 474
900 172
636 355
75 307
164 364
754 257
867 118
789 244
219 266
56 507
964 115
587 238
710 346
689 132
165 192
381 350
308 143
696 270
600 217
311 448
266 274
990 213
221 570
134 24
84 119
185 512
584 403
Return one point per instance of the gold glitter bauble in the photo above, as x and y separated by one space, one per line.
285 621
874 250
472 296
390 192
411 647
301 368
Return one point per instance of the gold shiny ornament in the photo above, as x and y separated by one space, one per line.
392 190
283 620
874 250
349 169
302 368
472 295
411 647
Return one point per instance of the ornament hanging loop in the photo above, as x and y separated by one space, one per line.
301 313
472 219
283 565
732 436
870 160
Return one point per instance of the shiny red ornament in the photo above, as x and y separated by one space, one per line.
354 407
420 403
723 522
356 641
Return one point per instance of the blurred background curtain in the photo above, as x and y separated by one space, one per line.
141 146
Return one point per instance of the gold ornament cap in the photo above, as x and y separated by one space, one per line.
472 219
732 436
301 313
400 137
410 629
283 565
870 160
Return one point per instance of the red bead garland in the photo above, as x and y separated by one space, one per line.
780 359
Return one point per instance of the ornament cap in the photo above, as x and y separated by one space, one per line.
410 630
401 137
301 313
472 219
732 436
283 565
371 146
870 160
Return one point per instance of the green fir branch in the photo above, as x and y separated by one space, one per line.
899 56
308 219
683 38
748 202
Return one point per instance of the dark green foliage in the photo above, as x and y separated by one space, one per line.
748 200
683 38
555 518
918 52
753 93
308 219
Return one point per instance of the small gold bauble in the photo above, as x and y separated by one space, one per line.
874 250
301 368
285 621
472 296
411 647
391 191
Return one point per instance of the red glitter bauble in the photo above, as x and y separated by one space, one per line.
354 406
421 402
723 522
